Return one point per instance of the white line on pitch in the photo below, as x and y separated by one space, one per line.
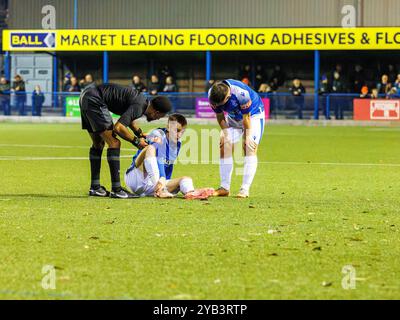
49 146
17 158
335 163
309 163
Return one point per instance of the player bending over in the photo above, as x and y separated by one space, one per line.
95 104
245 117
151 170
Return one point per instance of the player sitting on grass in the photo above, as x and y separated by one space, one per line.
151 169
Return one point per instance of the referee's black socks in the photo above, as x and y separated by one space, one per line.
95 166
113 162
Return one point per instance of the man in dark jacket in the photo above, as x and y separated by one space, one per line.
154 86
170 85
338 86
298 92
37 101
384 86
357 79
87 82
5 96
20 94
73 85
323 92
138 84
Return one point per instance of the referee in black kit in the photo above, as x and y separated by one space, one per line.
95 104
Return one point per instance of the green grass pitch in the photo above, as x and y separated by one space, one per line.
330 195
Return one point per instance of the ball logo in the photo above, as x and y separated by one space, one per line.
385 110
33 40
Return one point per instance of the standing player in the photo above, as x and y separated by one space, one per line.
151 169
96 104
245 117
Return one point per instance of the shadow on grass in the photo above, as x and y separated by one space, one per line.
5 197
41 195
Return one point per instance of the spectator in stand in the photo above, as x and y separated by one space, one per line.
323 92
384 86
170 85
278 76
87 82
18 88
392 94
364 92
245 72
391 72
357 79
337 87
264 88
138 84
154 86
374 94
397 82
324 87
274 84
5 96
337 84
338 68
247 82
67 81
37 101
73 85
298 92
166 72
209 84
260 76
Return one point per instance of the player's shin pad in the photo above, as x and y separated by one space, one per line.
225 171
186 185
150 164
249 171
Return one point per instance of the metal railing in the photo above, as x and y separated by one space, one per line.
281 104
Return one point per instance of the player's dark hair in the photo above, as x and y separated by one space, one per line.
161 104
178 118
218 92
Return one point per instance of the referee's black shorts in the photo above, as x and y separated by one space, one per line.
95 115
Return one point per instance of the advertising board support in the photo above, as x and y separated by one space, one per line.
316 83
105 66
55 80
7 65
208 65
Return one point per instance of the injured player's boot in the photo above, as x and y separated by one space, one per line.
242 193
99 192
221 192
201 194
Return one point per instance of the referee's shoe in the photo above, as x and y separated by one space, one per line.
122 193
99 192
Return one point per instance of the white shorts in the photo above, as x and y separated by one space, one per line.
235 130
138 183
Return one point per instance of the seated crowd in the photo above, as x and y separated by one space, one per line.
335 82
